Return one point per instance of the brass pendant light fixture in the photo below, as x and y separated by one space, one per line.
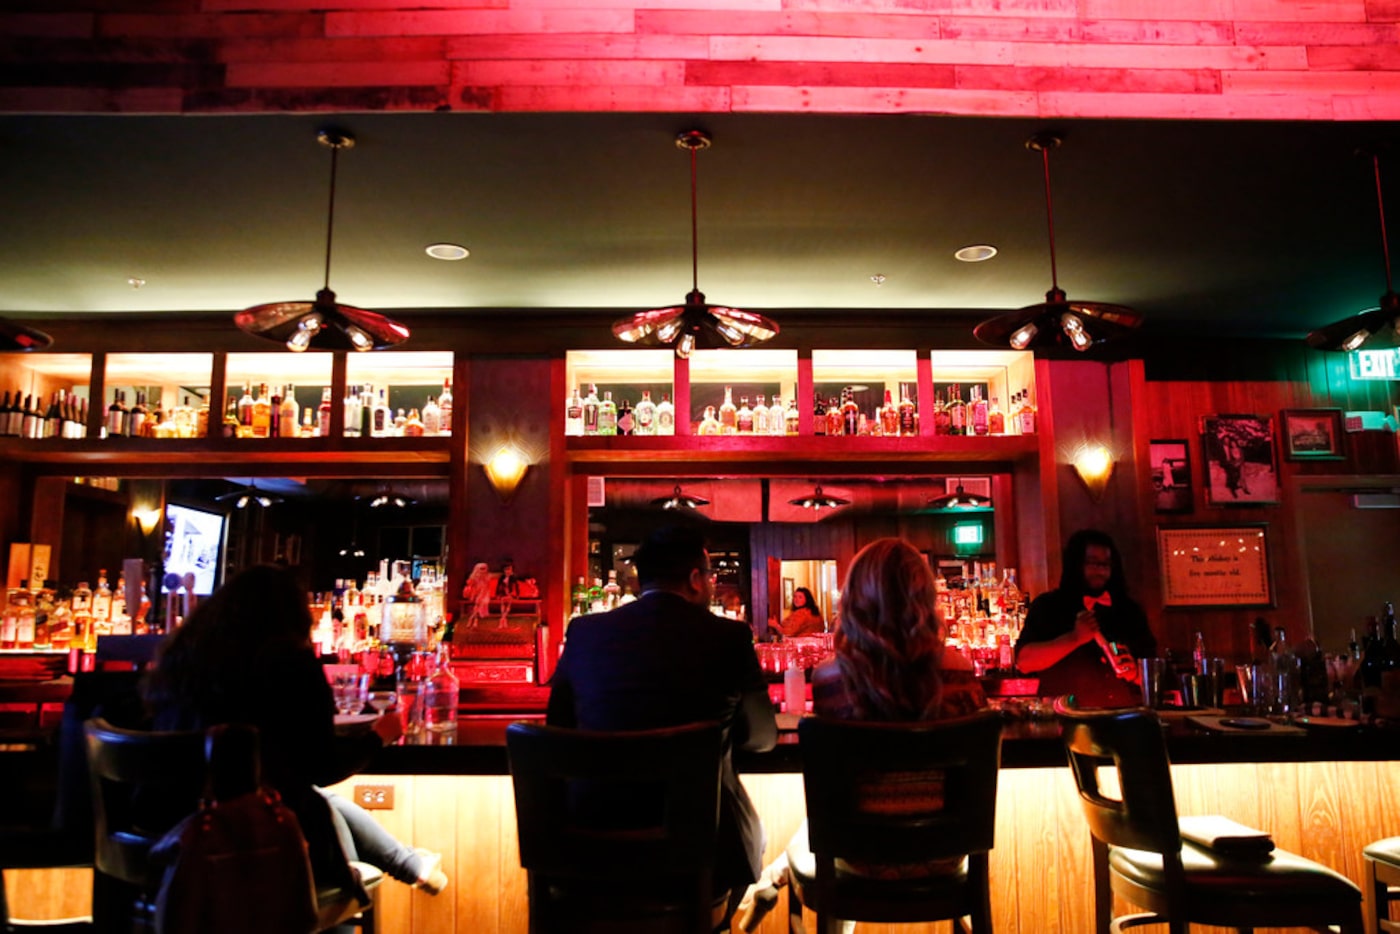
817 500
249 495
324 324
679 500
695 323
1057 320
1351 332
16 337
960 499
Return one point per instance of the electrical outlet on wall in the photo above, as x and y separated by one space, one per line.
374 797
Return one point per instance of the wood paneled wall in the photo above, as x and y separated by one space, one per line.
1041 875
1198 59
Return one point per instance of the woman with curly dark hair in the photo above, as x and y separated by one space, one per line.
891 665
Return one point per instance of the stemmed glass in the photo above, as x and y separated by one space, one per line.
350 691
382 700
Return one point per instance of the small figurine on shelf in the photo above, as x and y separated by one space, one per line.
477 592
507 589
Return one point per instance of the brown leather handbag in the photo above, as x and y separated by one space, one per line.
236 866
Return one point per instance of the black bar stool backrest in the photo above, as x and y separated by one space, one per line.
143 783
1130 741
873 789
615 806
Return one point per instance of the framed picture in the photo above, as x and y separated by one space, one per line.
1171 475
1210 566
1239 455
787 593
1313 434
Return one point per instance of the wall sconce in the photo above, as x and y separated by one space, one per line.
1094 464
505 469
147 519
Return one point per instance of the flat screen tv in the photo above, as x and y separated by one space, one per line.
194 541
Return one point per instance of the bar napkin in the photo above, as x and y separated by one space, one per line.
1225 836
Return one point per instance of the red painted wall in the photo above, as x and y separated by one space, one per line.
1202 59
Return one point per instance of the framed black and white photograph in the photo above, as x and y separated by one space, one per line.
1313 434
1171 475
1239 458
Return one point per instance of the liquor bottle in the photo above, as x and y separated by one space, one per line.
245 405
791 417
977 413
573 414
850 413
289 413
366 411
626 421
607 414
1198 654
590 410
957 412
665 416
24 617
413 425
1285 670
728 415
445 406
53 419
1010 593
432 418
834 420
760 415
595 596
441 697
102 605
996 420
9 620
183 417
709 424
308 427
819 415
1373 657
1026 417
612 591
644 415
323 414
121 620
1390 648
400 425
743 418
381 420
908 415
351 405
116 416
889 416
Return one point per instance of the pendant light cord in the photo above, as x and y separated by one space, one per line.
694 222
1380 207
330 214
1050 218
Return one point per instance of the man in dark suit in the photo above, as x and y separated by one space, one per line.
665 660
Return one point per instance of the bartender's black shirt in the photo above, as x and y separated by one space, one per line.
1085 672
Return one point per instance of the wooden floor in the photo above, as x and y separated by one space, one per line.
1041 881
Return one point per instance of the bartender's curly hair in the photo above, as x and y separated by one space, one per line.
889 647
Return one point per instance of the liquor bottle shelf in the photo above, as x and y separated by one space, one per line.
639 453
163 456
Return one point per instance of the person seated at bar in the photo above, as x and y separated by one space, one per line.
1083 637
245 656
804 619
665 660
890 665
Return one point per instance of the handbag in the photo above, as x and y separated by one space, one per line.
235 866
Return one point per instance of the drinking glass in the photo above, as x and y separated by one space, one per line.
382 700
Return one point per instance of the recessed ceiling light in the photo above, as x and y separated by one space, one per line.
976 253
447 251
878 279
135 281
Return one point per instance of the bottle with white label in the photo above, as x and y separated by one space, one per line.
665 416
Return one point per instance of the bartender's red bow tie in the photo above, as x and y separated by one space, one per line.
1102 599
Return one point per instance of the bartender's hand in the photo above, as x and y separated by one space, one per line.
1086 627
388 726
1125 666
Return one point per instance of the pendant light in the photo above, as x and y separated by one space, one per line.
16 337
960 499
1057 320
1350 333
696 323
817 500
247 496
324 324
679 500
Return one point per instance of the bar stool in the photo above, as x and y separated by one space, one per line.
1383 874
882 797
618 829
143 783
1139 853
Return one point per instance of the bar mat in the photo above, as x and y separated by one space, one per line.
1243 725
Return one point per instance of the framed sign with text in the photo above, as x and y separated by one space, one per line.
1215 566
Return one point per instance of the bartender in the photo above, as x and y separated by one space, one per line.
1083 637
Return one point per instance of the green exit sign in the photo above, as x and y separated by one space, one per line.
1375 364
967 533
